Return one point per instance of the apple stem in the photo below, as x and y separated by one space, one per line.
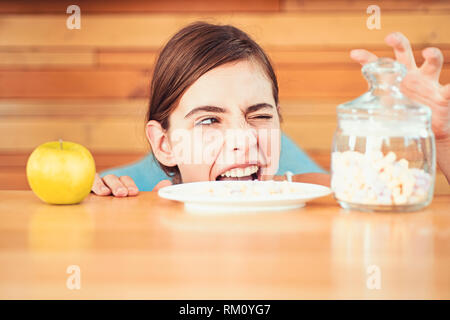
60 144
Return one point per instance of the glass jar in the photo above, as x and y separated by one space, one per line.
383 156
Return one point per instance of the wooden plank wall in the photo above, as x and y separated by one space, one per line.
91 85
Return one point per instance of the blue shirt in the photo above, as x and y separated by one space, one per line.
146 172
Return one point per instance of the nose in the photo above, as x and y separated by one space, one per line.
241 139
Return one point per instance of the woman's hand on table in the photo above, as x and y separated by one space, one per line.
162 184
422 85
116 186
313 177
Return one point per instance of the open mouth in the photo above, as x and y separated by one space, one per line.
251 172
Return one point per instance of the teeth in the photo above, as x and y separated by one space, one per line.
240 172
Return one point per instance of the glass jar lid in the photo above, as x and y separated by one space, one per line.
384 109
384 97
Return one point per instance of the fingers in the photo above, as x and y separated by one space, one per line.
362 56
117 187
445 91
130 185
162 184
402 49
99 187
433 63
315 178
120 187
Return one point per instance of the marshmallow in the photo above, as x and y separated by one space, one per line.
377 180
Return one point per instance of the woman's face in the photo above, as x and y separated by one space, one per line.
226 126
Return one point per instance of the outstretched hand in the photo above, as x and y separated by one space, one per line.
421 83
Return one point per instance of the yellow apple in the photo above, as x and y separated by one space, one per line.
61 172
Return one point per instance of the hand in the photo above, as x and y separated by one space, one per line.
420 84
162 184
119 186
313 177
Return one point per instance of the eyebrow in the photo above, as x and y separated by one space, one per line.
249 109
258 106
205 108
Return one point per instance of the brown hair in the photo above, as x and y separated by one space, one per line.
190 53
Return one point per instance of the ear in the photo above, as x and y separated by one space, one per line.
159 141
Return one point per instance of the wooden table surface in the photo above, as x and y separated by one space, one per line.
147 247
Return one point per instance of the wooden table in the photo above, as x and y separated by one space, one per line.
147 247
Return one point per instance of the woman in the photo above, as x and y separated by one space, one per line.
214 112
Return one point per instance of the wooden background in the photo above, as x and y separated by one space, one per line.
91 85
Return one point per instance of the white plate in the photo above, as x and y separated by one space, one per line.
239 196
